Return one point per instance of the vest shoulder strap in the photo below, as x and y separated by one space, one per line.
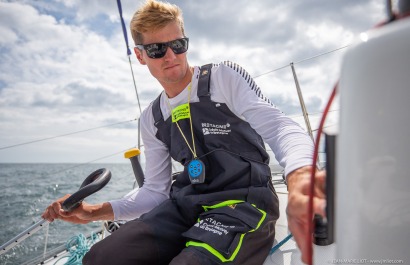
204 82
156 111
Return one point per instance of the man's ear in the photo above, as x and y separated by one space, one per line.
138 53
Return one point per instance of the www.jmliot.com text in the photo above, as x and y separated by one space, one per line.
366 261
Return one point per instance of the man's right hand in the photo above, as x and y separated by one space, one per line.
83 214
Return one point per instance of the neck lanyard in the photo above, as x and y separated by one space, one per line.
192 149
196 168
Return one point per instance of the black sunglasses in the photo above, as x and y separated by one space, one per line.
158 50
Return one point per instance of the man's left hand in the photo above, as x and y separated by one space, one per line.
298 201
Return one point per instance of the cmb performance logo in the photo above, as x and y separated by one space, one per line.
210 128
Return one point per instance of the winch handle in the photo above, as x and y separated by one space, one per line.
93 183
133 155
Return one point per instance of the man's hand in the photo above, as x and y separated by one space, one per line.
83 214
298 201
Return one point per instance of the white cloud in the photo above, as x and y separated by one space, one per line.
63 65
326 34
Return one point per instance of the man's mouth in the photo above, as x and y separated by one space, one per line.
170 66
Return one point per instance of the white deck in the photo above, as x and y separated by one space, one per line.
288 253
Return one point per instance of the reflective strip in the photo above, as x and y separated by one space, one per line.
223 204
215 252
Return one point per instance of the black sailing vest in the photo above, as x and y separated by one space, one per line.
236 162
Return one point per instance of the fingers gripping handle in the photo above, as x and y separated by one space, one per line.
93 183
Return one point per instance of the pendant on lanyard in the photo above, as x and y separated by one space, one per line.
196 171
196 168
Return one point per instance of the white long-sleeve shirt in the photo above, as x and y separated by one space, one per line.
230 84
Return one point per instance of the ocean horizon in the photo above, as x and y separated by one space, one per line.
28 188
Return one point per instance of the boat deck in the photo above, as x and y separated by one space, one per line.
286 254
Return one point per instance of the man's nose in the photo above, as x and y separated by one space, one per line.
169 54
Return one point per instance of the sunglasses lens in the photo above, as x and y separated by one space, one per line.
179 46
156 50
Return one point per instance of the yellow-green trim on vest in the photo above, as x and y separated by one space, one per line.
222 204
215 252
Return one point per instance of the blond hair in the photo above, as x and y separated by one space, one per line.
154 15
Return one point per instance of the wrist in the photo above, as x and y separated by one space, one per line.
101 212
298 176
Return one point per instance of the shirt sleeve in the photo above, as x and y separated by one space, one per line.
157 181
292 146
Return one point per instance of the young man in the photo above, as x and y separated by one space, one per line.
213 119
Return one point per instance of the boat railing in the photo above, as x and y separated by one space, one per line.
59 251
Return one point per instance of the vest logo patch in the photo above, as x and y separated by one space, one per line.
181 112
210 128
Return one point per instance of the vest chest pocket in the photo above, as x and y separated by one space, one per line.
222 227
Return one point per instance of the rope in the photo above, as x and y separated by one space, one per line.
303 60
82 164
66 134
86 163
124 31
310 114
278 245
78 246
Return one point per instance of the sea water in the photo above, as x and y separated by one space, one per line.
27 189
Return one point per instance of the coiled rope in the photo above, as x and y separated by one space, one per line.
78 246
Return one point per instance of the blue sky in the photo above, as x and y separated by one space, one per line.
63 65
